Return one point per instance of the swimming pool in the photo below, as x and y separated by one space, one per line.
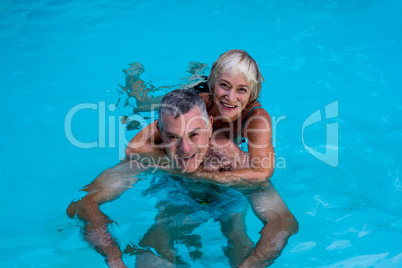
314 54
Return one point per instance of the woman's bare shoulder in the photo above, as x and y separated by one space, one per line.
254 112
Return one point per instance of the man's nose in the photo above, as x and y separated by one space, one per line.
185 146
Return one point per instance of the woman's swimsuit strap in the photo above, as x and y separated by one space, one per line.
239 139
245 119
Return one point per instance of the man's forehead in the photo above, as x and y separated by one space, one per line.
188 121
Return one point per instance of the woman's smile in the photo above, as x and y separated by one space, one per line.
228 106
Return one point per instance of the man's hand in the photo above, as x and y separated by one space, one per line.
118 263
108 186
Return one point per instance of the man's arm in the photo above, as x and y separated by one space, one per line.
279 226
108 186
265 201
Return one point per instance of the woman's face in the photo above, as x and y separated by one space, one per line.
231 95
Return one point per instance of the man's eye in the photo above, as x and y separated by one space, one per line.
171 137
192 135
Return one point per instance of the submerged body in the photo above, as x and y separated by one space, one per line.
186 146
182 206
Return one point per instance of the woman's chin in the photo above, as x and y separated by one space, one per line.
232 114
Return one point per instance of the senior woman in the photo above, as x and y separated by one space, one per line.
235 84
230 94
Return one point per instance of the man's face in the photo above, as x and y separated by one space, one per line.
186 139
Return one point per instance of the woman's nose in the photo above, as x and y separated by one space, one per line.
230 96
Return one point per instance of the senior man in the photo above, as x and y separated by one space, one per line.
186 202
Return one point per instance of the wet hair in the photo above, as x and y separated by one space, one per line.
179 102
234 62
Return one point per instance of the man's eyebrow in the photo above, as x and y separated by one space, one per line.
195 130
170 133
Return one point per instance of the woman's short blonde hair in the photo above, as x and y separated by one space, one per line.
234 62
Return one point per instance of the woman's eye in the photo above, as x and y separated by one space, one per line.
242 89
224 85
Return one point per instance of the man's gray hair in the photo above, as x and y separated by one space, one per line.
179 102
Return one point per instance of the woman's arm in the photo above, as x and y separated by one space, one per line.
261 155
145 146
145 141
258 131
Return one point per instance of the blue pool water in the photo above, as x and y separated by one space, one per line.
336 59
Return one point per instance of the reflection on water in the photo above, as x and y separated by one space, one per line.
146 95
